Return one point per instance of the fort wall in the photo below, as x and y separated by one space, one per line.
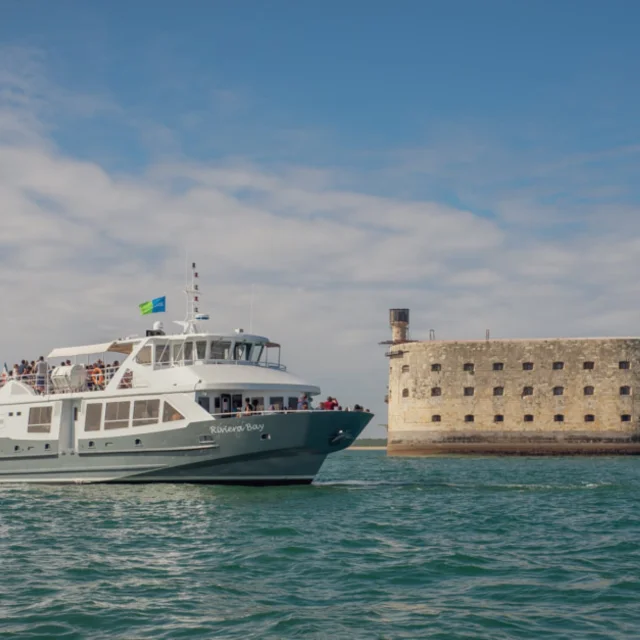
528 397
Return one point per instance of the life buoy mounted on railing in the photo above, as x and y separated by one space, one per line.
97 376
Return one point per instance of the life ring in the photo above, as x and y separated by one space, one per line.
97 377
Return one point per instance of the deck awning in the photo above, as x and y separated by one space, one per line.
90 349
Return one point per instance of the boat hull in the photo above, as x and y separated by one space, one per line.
270 449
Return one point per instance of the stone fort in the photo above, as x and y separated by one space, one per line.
523 397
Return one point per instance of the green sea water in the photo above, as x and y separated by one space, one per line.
378 548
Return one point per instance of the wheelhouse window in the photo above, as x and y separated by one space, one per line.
40 419
146 412
144 355
201 350
92 417
170 413
256 352
220 350
241 351
163 355
116 415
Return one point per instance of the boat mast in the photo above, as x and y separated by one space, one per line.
192 292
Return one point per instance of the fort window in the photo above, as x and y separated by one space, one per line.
527 366
435 418
436 367
468 418
588 391
468 391
528 418
558 391
588 366
498 366
625 391
468 367
624 364
527 391
558 417
498 391
405 393
589 418
498 418
436 391
625 417
557 366
405 368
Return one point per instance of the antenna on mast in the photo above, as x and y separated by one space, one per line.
192 291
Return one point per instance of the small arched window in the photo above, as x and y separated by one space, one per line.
528 418
588 365
498 391
468 367
527 366
469 391
468 418
405 368
435 418
498 418
588 391
589 418
625 391
558 366
527 391
558 417
498 366
625 417
558 391
435 392
624 364
405 393
436 367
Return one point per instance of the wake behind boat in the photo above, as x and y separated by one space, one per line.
190 407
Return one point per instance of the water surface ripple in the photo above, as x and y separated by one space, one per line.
379 547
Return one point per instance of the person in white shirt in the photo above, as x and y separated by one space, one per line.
41 374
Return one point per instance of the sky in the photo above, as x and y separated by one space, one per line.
475 162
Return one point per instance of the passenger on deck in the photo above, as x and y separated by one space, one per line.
248 407
41 374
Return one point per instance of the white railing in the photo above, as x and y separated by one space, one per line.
95 379
188 363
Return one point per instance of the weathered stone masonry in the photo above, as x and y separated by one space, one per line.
550 396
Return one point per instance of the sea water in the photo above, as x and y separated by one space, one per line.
377 548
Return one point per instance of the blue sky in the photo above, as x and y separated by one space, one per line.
475 161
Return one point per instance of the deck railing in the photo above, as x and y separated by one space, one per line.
95 379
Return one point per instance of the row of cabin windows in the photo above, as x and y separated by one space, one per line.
625 417
526 366
235 402
526 391
118 415
189 351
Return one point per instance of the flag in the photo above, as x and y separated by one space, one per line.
157 305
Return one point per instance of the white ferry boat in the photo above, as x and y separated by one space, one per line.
189 407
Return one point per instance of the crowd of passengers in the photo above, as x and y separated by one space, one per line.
304 404
37 373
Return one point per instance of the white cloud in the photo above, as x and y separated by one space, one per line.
82 246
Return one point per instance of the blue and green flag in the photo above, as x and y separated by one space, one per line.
157 305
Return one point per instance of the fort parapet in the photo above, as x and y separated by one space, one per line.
524 397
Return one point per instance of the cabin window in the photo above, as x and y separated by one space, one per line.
293 404
163 356
498 366
220 350
498 391
435 418
146 412
468 367
558 391
589 418
588 391
624 364
436 367
436 391
277 402
216 404
116 415
144 355
527 366
204 402
258 404
588 366
201 350
92 417
169 414
40 419
557 366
